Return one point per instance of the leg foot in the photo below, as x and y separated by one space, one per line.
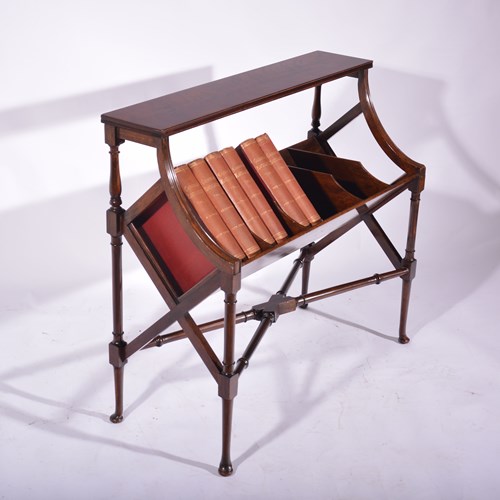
225 470
403 339
115 418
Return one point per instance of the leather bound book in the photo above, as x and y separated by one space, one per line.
207 212
272 181
238 196
258 200
288 178
223 205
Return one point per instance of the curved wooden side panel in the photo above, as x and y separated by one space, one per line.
381 136
187 218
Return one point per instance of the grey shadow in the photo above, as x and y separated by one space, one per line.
414 106
180 370
458 249
60 244
299 400
412 109
56 246
353 324
66 432
36 422
58 111
51 364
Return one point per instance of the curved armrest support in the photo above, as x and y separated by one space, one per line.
200 237
382 137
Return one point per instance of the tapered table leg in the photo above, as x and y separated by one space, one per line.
226 466
405 302
117 416
410 262
306 272
228 381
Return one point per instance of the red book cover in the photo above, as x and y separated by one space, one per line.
223 205
207 212
258 200
238 196
288 178
272 181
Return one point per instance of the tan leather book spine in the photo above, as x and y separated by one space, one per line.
223 205
288 178
273 182
207 212
238 196
258 200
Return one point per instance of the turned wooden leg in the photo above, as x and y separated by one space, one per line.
117 416
228 384
405 302
114 223
117 355
226 466
306 272
411 264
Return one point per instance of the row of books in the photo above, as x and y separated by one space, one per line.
233 208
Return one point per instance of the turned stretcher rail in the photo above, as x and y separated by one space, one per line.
299 301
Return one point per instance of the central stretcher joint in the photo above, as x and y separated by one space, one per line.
276 305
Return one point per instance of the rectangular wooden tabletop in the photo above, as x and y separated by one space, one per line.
173 113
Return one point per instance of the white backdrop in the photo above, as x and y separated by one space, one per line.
434 83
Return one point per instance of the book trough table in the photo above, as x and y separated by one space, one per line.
183 259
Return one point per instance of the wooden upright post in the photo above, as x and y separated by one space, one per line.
115 230
410 263
316 112
228 385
